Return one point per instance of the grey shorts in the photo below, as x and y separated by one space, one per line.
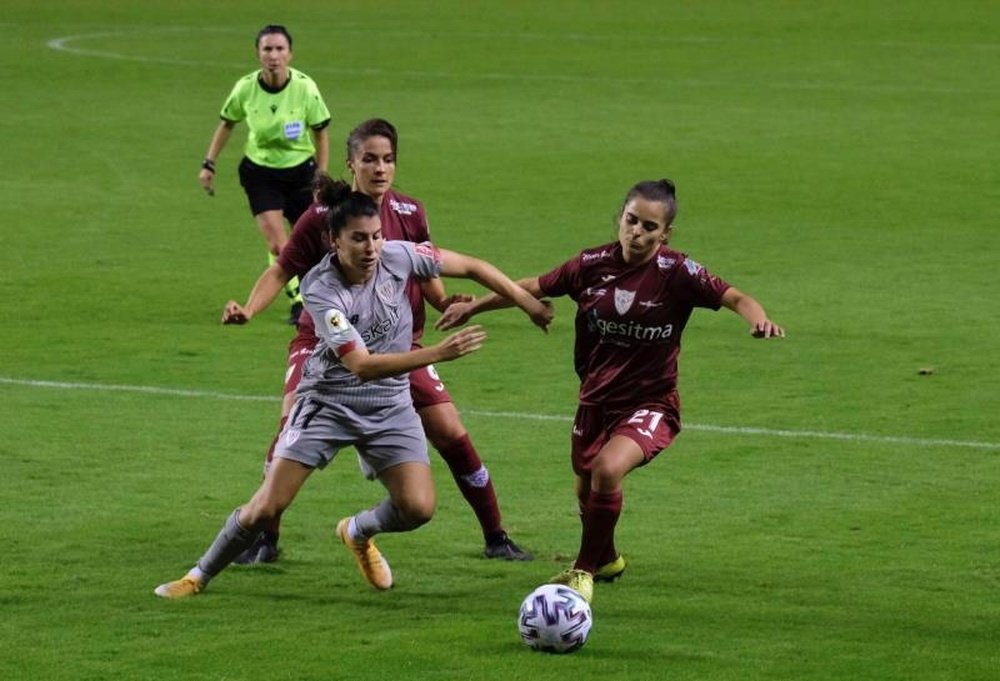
316 431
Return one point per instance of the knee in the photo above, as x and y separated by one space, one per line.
416 510
606 478
444 433
260 509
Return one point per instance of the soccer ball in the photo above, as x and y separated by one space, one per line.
554 619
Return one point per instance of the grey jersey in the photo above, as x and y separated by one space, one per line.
376 314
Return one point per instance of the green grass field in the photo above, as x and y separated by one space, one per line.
830 512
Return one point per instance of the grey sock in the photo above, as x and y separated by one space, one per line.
232 540
384 517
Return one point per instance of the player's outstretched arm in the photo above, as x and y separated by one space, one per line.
265 290
368 366
460 312
752 311
436 296
458 265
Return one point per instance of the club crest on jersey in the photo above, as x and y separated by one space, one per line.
692 267
336 322
623 300
384 291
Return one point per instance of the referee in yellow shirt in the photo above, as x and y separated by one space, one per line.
287 142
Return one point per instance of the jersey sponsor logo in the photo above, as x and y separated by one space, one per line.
664 263
596 292
623 300
693 268
335 321
590 257
628 330
402 207
293 130
649 304
380 328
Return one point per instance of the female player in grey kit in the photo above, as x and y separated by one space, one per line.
371 158
354 391
634 297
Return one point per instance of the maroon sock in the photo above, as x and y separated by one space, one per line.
273 526
474 482
599 522
610 552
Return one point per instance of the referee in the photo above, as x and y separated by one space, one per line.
286 145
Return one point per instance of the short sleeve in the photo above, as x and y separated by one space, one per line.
232 108
318 115
564 280
305 245
702 288
333 327
405 259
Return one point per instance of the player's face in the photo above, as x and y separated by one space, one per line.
359 247
642 227
373 165
274 53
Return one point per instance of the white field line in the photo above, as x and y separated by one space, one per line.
63 44
725 430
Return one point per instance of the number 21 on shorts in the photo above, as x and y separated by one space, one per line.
645 416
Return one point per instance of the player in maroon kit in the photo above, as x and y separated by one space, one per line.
633 298
371 158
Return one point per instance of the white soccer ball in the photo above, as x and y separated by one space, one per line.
554 619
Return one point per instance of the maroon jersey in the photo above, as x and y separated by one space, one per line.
403 219
629 319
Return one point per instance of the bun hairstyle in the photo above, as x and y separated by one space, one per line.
343 202
661 191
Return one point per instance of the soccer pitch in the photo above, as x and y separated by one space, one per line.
830 510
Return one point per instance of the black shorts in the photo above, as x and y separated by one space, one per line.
286 189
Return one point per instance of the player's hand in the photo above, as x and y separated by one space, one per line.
767 329
542 315
455 315
462 343
234 314
206 178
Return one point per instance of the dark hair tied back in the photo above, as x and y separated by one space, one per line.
662 191
343 202
272 29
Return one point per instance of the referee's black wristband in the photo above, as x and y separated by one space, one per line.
209 165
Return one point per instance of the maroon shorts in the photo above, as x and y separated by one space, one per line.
426 387
652 425
300 349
